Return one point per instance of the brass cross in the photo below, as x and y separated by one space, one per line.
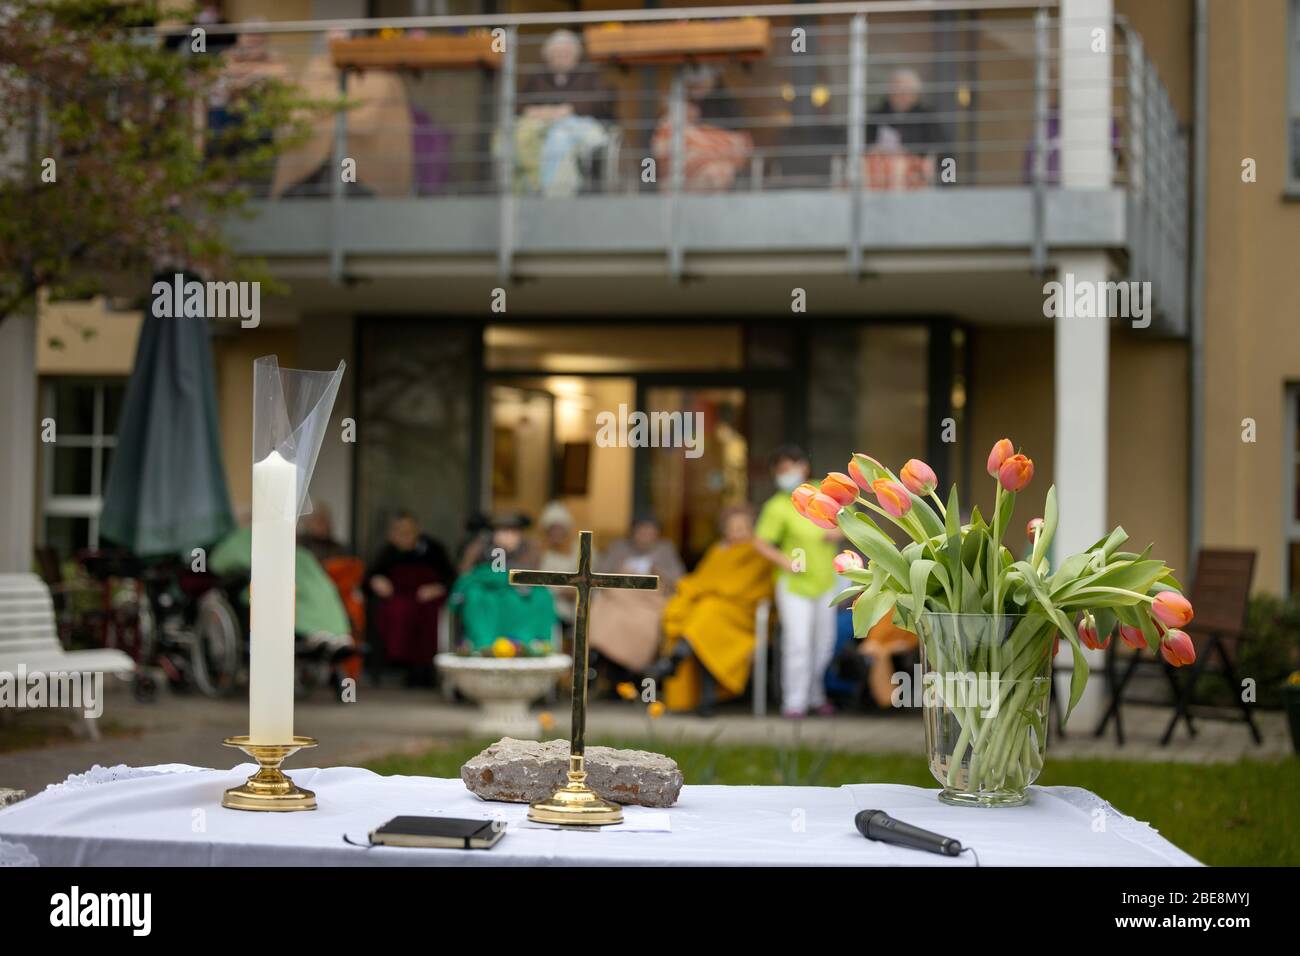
582 580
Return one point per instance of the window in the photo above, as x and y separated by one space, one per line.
85 414
1291 504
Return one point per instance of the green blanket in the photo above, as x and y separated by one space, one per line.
490 607
317 605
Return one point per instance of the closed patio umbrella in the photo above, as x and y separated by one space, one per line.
166 490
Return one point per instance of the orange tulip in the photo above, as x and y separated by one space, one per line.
1171 609
1177 648
861 469
1088 634
801 495
847 561
840 487
1132 636
892 496
1002 450
918 477
1016 472
822 510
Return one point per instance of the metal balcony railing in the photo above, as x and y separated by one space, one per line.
851 98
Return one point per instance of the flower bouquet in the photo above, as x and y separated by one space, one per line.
989 624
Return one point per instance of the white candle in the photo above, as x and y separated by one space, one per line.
270 682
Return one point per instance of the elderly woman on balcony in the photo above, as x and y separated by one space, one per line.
902 137
715 152
564 110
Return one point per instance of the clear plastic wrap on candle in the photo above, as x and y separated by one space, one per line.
291 411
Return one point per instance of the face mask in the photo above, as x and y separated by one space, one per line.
790 479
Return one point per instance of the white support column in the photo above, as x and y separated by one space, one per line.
1082 376
1087 37
17 440
1082 383
1083 344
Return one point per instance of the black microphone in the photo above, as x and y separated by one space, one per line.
879 825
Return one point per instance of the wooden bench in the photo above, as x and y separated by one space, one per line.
29 637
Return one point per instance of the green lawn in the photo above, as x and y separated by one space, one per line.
1242 814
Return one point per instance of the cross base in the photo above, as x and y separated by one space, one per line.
576 805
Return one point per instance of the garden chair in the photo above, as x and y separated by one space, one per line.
1220 595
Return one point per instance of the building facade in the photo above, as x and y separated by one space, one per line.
810 298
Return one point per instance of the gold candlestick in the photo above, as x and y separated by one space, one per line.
576 804
270 788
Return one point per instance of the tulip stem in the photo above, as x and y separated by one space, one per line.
911 532
943 509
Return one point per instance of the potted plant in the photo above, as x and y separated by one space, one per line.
988 623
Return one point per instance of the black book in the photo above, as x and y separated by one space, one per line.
439 832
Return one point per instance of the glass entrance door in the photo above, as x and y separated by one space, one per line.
721 462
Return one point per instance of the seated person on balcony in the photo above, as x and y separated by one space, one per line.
715 149
563 111
902 137
410 577
489 607
625 625
380 130
709 623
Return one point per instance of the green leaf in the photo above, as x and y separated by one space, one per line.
928 517
1051 517
869 610
952 527
875 544
848 593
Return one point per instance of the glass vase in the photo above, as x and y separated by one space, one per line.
986 686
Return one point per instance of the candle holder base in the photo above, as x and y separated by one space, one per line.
576 805
270 788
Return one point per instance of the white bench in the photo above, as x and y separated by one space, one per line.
29 637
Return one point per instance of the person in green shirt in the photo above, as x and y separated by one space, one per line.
805 583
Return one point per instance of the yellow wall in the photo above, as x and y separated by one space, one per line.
1252 349
84 338
1012 395
1166 28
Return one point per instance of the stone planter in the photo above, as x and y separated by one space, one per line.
503 687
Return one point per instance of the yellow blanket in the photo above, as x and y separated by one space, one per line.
713 608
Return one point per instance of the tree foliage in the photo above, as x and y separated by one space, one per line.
111 168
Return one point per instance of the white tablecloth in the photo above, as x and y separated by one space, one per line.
172 815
